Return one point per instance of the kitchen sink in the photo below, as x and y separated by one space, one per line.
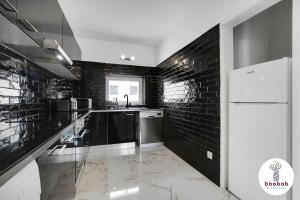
136 108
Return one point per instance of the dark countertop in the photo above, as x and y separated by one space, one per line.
130 109
22 137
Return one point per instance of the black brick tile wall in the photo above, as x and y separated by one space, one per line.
187 84
93 81
27 89
189 89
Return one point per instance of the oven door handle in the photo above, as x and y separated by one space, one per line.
65 139
51 152
83 133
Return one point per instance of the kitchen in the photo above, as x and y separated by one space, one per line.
103 100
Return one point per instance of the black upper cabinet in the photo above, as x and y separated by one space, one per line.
40 19
10 34
8 9
70 44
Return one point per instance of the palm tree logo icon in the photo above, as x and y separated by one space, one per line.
275 166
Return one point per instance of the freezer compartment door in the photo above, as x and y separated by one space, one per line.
266 82
257 133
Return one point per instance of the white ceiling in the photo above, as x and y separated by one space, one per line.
144 22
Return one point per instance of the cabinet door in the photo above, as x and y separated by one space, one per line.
97 129
57 173
70 44
8 9
116 128
131 127
10 34
40 19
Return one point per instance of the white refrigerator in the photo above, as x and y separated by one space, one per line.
259 124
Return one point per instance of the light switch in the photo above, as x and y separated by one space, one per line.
209 155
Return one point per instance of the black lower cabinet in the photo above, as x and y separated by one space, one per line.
112 128
98 129
116 128
122 127
131 126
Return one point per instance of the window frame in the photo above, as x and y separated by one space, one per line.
139 79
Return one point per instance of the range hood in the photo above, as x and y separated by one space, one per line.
49 51
48 55
45 52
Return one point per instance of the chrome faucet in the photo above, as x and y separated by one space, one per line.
127 105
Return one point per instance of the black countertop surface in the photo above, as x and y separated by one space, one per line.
21 136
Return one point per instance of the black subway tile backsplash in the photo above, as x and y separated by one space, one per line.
93 81
27 89
189 89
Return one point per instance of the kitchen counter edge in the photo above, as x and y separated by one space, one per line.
36 153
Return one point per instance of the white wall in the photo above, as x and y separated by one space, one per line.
226 64
204 17
110 52
296 98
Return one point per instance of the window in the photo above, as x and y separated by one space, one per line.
118 86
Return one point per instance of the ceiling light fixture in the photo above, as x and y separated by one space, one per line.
59 57
123 57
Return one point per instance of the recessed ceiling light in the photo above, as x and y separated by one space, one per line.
59 57
123 57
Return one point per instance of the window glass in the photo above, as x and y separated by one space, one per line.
118 86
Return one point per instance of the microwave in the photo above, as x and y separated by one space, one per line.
84 103
74 104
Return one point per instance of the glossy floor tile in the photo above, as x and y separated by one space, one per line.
147 174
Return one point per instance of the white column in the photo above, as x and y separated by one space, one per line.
226 64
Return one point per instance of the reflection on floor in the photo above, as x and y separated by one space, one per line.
148 174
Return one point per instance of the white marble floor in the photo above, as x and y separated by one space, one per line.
147 174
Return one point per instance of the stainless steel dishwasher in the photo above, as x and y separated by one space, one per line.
151 127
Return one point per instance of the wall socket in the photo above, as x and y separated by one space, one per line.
209 155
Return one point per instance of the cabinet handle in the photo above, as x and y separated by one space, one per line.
27 25
65 139
11 7
129 114
52 150
85 131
